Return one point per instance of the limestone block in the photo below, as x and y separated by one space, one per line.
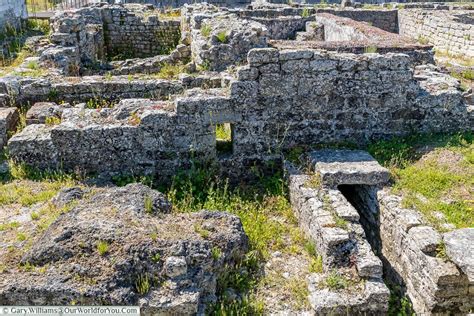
258 56
41 111
460 249
338 167
8 121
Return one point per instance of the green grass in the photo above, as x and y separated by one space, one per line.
263 209
102 247
370 50
336 281
222 37
316 265
430 185
206 30
142 284
216 253
169 72
148 204
52 120
99 103
27 186
17 52
305 13
223 132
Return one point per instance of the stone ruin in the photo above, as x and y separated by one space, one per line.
278 77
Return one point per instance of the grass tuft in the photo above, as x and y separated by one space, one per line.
102 247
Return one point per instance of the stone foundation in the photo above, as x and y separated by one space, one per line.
410 246
280 100
86 38
449 31
347 185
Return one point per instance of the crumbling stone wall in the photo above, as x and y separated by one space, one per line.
449 31
138 35
180 3
87 37
386 20
284 27
434 285
346 35
25 91
280 100
219 39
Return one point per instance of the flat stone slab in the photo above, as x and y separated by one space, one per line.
340 166
460 249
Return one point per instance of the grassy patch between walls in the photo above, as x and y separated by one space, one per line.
434 174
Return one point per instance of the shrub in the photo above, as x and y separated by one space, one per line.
156 258
170 71
206 30
316 264
335 281
33 65
148 204
216 253
52 120
305 13
222 37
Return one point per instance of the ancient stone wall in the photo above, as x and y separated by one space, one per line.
138 35
280 100
284 27
88 37
219 39
180 3
448 31
347 184
409 247
11 13
386 20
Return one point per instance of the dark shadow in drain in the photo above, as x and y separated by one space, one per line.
364 199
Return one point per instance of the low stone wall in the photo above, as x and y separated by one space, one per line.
219 39
434 285
27 91
284 27
346 35
448 31
348 185
280 100
88 37
334 225
386 20
179 3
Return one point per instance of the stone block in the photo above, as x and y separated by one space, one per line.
460 250
351 167
8 122
40 112
258 56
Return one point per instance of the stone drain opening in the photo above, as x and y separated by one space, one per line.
364 199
